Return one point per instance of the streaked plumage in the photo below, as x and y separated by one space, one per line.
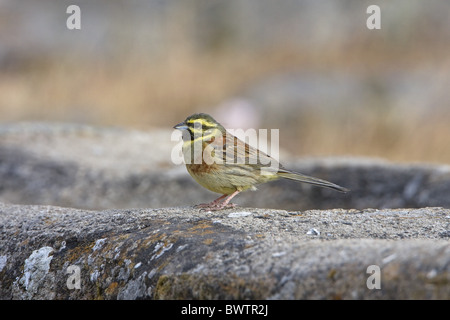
225 164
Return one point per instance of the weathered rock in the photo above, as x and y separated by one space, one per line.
181 253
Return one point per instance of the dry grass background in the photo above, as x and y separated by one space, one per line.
128 85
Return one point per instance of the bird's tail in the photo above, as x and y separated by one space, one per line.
307 179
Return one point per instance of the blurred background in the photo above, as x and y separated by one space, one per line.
309 68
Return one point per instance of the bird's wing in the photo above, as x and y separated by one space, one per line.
236 151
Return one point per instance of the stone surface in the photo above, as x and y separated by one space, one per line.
241 253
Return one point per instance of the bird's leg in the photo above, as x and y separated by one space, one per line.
226 202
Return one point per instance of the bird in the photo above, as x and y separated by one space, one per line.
222 163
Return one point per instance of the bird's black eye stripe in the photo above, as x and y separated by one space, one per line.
206 127
203 127
198 125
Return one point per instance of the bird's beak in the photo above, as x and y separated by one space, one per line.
181 126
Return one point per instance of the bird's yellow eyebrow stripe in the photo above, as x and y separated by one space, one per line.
202 122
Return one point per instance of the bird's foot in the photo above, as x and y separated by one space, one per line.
214 206
223 202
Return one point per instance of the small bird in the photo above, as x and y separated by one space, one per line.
224 164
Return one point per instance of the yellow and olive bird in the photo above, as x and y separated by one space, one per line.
224 164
